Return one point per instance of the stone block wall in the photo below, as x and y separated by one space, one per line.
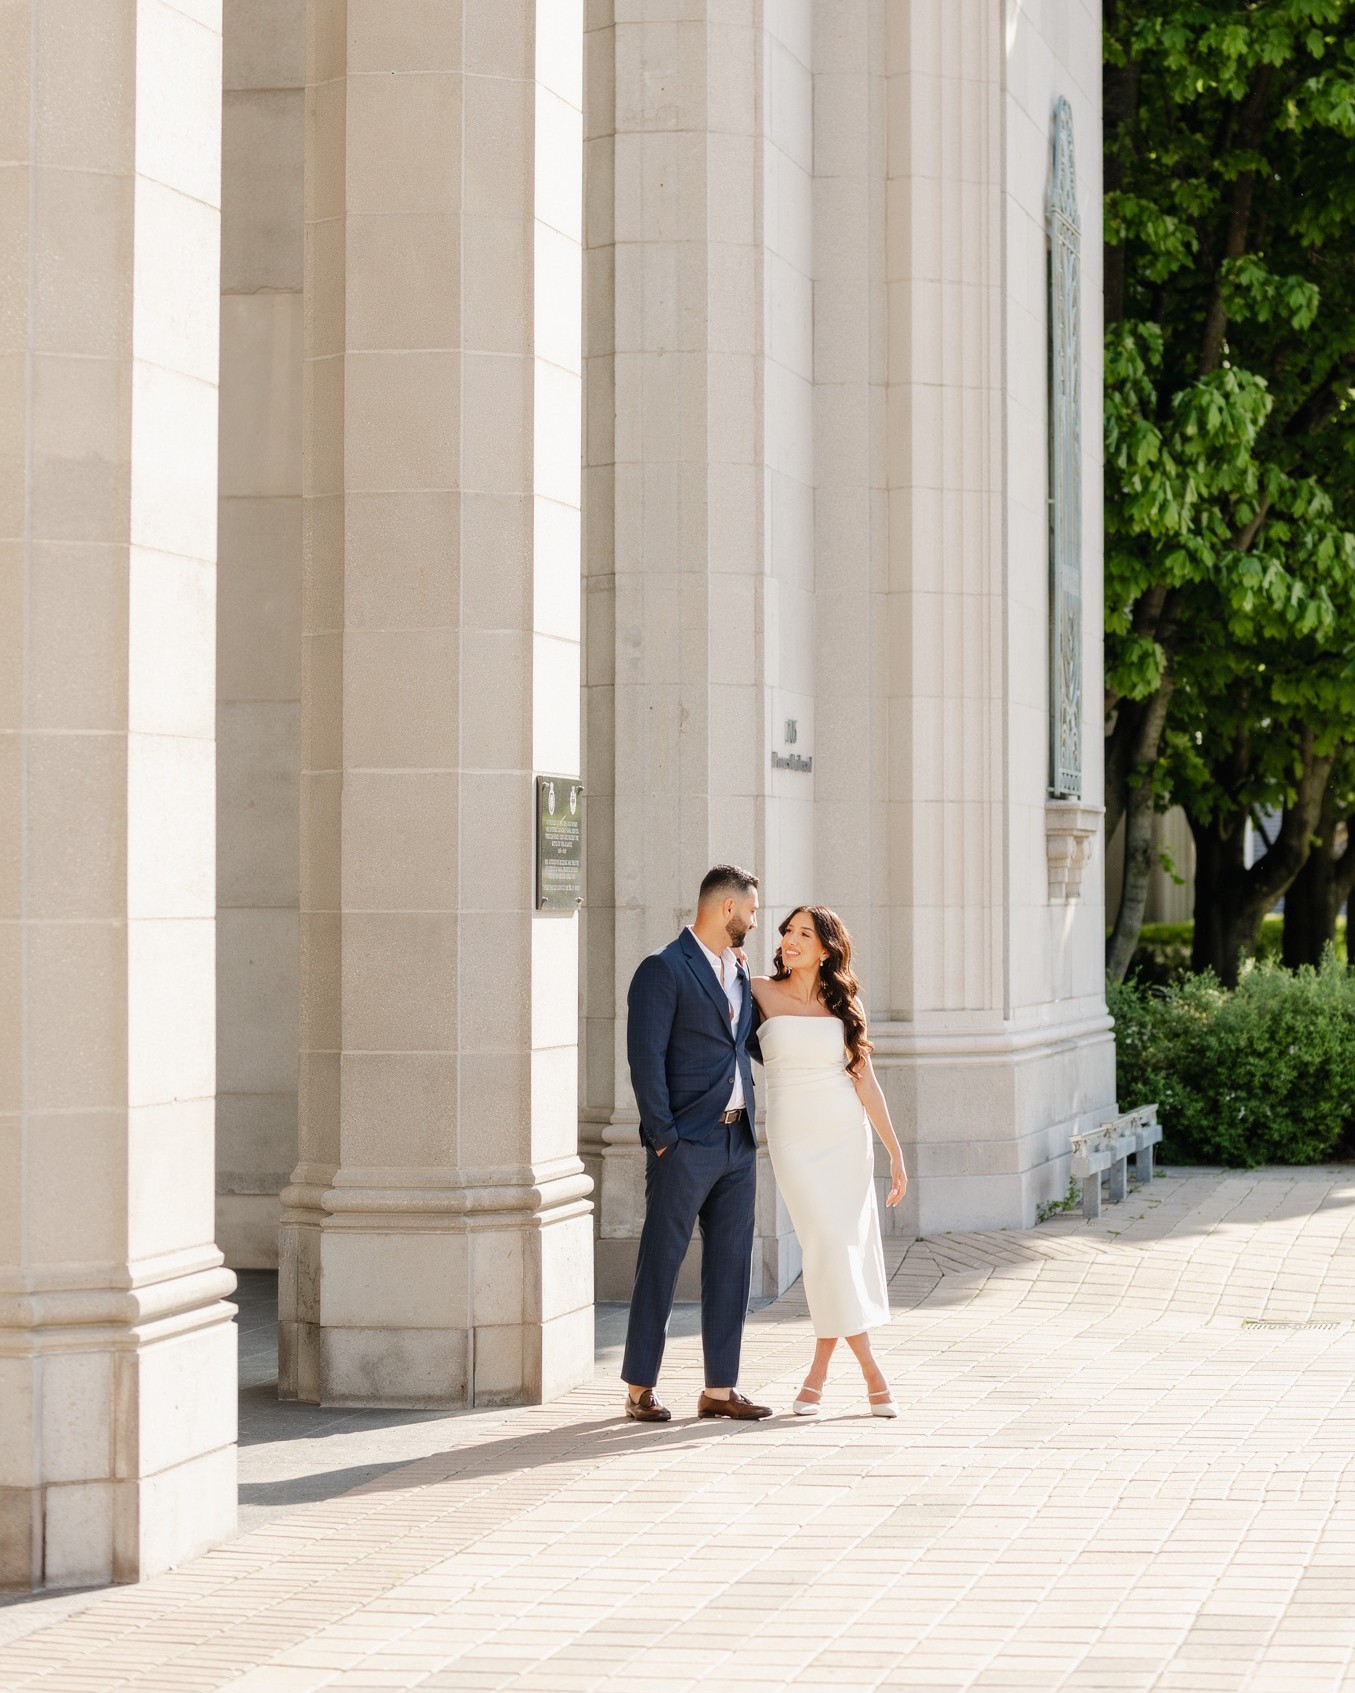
814 314
816 339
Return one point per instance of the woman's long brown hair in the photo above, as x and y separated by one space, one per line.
837 984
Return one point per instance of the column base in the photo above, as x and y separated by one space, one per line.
985 1117
88 1534
117 1437
247 1229
415 1309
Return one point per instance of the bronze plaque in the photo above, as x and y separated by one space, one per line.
559 843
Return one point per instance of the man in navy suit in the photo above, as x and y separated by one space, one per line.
690 1041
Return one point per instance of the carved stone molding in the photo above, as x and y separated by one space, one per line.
1070 830
1065 467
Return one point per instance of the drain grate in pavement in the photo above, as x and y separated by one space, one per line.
1280 1325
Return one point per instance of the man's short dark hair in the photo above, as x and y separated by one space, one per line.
726 881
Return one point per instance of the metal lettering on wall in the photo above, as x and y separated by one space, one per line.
1065 467
792 760
559 843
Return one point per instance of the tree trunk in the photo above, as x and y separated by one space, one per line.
1343 874
1119 105
1234 245
1349 937
1231 897
1310 909
1134 732
1222 923
1251 121
1120 744
1312 902
1129 778
1138 865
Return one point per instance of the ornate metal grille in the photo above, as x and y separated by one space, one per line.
1065 467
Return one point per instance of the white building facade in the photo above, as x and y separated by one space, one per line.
404 398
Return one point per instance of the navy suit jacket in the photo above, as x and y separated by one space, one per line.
683 1048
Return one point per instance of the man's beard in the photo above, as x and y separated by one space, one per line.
737 931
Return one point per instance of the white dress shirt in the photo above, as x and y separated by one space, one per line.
726 968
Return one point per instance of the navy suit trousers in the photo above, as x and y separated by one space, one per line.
710 1179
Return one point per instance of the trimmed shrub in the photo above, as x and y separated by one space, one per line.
1262 1075
1163 952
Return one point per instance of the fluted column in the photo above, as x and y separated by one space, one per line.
852 638
117 1351
436 1238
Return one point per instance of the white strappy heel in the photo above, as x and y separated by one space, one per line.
886 1406
803 1407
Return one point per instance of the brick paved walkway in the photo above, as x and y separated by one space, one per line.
1119 1466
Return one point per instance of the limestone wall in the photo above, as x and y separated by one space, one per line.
840 491
1052 51
814 509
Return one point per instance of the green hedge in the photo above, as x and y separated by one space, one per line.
1163 952
1262 1075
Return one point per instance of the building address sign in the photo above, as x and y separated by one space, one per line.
792 760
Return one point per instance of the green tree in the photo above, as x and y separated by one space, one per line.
1230 438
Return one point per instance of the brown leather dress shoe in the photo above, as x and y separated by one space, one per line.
647 1408
735 1406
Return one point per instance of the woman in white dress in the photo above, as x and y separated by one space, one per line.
822 1099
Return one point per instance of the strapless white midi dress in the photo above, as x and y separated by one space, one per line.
821 1148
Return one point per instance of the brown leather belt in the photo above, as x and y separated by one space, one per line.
734 1116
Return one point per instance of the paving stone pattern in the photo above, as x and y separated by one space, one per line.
1104 1477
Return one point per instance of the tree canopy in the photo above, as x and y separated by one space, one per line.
1230 441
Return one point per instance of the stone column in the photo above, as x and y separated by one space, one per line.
436 1244
117 1351
699 495
259 621
851 632
997 1045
